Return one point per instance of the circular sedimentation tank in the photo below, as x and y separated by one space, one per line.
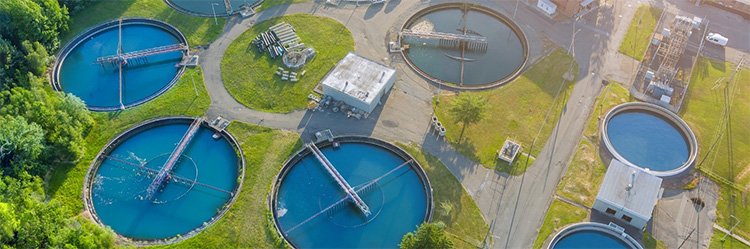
493 52
593 235
199 188
650 137
210 8
311 210
80 70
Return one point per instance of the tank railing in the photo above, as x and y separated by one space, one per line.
359 189
176 153
119 53
175 178
124 57
472 42
339 179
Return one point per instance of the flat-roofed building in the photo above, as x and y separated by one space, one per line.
628 193
359 82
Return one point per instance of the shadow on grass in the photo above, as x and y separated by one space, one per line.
466 147
548 74
446 190
82 19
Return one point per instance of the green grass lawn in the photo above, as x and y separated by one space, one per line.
65 182
198 30
703 110
453 205
586 170
247 223
649 242
516 110
729 243
249 75
270 3
559 215
637 38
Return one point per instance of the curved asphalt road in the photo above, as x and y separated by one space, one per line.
513 205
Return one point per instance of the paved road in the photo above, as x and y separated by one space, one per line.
405 116
514 206
728 24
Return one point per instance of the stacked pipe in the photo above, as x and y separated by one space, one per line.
269 42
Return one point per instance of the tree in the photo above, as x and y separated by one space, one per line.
10 63
427 236
21 144
63 117
35 223
468 109
36 57
76 5
9 223
33 20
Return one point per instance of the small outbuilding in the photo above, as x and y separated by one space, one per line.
628 193
359 82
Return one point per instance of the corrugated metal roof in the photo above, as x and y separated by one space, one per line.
640 197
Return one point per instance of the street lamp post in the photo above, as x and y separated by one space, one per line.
214 10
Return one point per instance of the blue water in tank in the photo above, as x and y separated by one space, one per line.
119 188
98 85
398 202
648 140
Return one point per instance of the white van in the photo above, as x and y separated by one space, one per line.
717 39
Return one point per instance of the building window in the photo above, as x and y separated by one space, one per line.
611 211
626 218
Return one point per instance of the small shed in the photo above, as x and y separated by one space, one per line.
628 193
547 6
359 82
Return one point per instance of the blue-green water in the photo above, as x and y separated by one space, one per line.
398 203
503 56
119 188
647 140
590 239
98 85
205 6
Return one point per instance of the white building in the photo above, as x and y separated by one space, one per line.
359 82
629 194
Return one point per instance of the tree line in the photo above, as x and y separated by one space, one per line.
40 129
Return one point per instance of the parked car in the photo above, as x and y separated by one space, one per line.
717 39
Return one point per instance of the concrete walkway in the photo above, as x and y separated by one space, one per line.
514 206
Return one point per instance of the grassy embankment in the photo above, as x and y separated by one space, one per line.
641 28
517 111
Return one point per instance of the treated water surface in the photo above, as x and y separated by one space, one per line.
398 202
648 140
98 85
590 239
119 188
503 56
